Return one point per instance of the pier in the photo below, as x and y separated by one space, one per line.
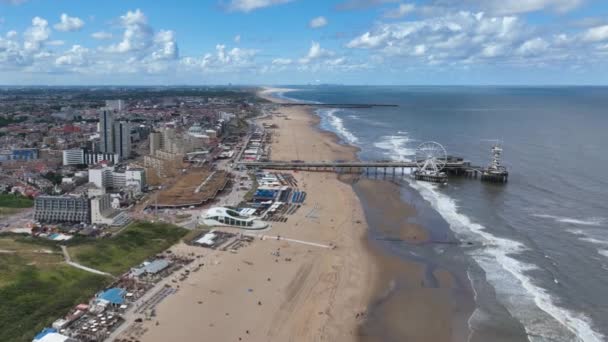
455 166
431 164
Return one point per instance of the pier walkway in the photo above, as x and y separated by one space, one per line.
354 166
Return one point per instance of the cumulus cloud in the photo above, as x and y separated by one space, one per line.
223 60
401 11
137 36
596 34
469 38
282 61
314 53
167 47
509 7
69 24
37 34
454 36
76 56
101 35
252 5
317 22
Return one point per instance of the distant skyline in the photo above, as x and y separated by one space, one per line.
375 42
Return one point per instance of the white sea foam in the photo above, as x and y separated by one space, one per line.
495 257
592 221
396 147
338 125
584 236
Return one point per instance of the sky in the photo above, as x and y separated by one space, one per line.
270 42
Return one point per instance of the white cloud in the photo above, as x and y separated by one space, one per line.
315 52
101 35
282 61
251 5
165 40
451 37
507 7
596 34
11 34
370 40
224 60
137 36
76 56
317 22
237 38
69 24
37 34
400 11
533 47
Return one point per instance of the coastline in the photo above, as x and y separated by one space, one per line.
292 289
407 303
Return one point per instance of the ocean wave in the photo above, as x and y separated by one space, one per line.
496 257
592 221
395 147
337 125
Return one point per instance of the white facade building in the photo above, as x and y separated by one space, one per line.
73 157
102 212
220 216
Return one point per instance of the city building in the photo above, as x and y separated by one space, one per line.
103 213
73 157
155 142
24 154
106 131
107 177
122 139
80 156
53 209
117 105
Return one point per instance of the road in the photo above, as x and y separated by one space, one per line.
68 260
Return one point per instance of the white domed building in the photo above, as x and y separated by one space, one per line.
220 216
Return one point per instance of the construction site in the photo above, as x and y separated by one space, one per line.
194 188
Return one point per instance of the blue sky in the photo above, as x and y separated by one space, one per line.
74 42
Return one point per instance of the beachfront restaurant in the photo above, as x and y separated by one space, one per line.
220 216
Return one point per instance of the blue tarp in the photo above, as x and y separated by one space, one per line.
270 194
114 295
44 332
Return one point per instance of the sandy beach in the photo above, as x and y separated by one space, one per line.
308 293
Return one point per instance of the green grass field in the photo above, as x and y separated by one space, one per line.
15 201
137 242
36 287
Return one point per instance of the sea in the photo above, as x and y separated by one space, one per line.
534 251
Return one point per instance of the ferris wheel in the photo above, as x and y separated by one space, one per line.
431 157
